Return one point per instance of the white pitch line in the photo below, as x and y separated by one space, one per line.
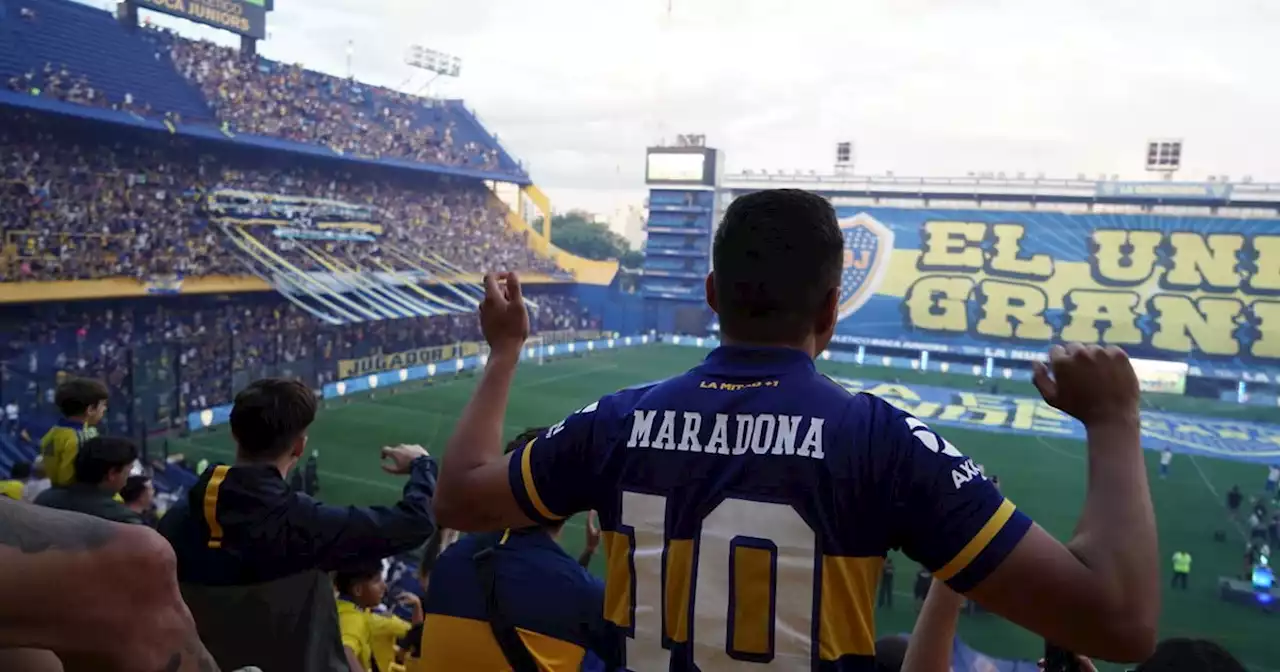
1058 450
1217 497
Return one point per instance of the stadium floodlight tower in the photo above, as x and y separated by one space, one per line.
683 180
435 62
844 158
1164 156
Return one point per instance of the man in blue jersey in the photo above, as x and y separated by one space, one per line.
748 504
547 604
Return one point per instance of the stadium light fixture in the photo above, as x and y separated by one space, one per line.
844 157
433 61
1164 156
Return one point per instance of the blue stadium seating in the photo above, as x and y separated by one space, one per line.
469 129
91 42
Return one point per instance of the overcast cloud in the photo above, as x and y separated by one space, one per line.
578 88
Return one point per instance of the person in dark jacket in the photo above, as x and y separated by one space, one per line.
101 469
311 475
253 553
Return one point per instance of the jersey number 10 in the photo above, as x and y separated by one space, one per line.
741 591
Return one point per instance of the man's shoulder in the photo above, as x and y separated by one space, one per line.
459 553
87 502
50 497
174 519
119 513
621 403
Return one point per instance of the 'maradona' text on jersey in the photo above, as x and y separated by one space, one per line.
748 505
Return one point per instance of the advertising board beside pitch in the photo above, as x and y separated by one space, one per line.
996 283
1023 415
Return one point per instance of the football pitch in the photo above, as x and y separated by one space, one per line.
1044 476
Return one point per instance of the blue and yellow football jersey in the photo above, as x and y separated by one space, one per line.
748 506
59 447
554 604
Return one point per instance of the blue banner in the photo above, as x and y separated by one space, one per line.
998 283
1195 191
1025 415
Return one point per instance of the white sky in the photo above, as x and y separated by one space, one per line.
578 88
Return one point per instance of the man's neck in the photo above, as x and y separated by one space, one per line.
79 419
281 466
807 347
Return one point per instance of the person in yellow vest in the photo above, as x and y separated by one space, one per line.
82 403
1181 569
369 639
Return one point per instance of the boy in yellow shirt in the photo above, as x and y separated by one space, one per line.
369 639
83 403
16 484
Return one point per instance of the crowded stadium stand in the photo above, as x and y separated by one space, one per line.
150 72
181 219
271 219
108 68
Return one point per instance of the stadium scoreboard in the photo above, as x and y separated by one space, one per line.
243 17
682 166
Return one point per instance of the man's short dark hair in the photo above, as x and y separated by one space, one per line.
523 438
345 579
75 396
20 471
134 488
890 652
777 255
100 455
1179 654
269 415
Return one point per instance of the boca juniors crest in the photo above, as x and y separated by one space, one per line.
868 245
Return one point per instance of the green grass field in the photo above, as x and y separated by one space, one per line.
1045 477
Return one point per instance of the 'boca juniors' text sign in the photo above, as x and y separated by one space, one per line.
246 17
1168 287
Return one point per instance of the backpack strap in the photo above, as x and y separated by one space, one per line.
504 630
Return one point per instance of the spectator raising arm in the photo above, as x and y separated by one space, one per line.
474 493
102 596
1099 595
929 649
353 534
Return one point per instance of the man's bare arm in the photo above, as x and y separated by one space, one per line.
100 595
29 660
1098 595
353 661
929 649
473 492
